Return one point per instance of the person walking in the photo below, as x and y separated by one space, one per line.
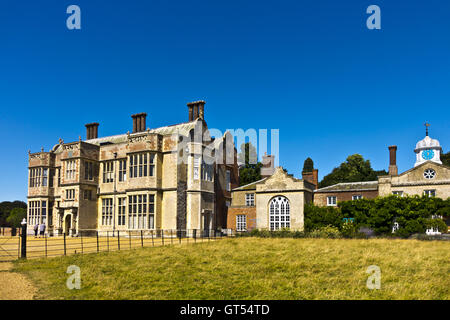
36 228
41 230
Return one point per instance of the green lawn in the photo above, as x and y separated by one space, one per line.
253 268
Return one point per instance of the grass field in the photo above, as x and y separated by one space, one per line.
252 268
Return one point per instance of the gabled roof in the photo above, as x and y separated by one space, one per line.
427 163
245 187
350 186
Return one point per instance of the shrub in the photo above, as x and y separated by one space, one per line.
326 232
319 217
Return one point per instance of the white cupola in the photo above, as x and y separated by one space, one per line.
427 149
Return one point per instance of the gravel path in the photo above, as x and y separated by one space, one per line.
14 286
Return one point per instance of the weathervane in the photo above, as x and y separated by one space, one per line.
426 124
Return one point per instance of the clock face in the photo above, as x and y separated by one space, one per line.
428 154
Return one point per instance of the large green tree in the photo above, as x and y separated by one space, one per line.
16 216
354 169
5 209
445 158
250 170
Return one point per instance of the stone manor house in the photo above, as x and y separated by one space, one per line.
153 179
145 180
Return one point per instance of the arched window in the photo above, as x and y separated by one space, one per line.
279 213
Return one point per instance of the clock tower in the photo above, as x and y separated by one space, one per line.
427 149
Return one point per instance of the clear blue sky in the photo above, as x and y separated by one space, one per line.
309 68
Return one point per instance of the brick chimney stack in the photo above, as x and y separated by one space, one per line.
196 110
91 130
268 165
312 177
139 122
393 169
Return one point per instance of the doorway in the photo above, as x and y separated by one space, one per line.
67 224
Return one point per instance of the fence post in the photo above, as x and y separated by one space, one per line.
81 237
97 243
153 240
107 240
118 239
142 240
45 237
65 250
195 235
23 238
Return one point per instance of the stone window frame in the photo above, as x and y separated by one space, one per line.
122 166
38 177
357 197
207 171
107 211
228 180
142 164
250 201
196 168
108 171
241 222
37 210
279 213
398 193
141 211
429 192
87 194
332 203
88 170
71 168
121 211
70 194
429 174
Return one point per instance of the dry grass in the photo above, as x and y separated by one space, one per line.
253 268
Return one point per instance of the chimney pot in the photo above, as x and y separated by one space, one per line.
393 169
139 120
196 110
91 130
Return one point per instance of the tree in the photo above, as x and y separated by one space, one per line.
354 169
445 158
6 207
308 165
250 171
16 216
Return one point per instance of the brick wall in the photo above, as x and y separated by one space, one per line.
320 199
250 212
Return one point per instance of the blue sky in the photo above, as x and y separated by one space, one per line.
308 68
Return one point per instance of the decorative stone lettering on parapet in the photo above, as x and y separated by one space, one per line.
74 146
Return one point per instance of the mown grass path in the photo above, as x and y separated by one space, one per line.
253 268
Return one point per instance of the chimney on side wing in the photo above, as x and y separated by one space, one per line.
393 169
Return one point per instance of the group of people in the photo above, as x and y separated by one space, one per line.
40 228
